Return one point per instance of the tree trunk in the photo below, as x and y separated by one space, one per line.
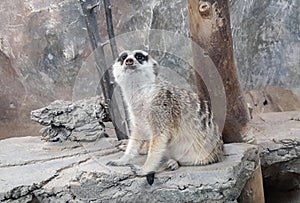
210 29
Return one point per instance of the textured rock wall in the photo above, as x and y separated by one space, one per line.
266 42
42 46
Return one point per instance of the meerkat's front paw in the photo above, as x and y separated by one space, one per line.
118 162
123 161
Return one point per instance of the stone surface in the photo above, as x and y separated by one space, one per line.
278 138
75 121
76 172
278 135
272 99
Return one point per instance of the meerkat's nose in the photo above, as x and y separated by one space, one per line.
129 61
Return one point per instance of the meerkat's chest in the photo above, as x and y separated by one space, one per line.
140 105
139 109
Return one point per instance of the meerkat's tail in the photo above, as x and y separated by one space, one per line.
150 178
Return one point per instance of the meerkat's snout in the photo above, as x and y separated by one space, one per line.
129 62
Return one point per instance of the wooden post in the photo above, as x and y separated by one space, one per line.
210 29
106 85
254 189
114 50
110 28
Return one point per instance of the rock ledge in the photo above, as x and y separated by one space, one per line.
76 172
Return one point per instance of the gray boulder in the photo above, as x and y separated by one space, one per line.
76 121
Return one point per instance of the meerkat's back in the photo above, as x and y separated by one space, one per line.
195 137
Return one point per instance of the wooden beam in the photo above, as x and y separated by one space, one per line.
110 28
88 7
210 29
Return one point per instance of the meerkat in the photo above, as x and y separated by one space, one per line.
179 127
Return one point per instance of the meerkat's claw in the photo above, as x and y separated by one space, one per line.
118 162
137 170
172 164
133 168
111 163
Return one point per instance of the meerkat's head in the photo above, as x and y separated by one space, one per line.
135 64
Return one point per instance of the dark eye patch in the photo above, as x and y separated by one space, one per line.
122 57
140 57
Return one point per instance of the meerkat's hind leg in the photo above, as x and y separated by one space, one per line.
156 152
132 151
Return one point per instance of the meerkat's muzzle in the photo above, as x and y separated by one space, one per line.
129 62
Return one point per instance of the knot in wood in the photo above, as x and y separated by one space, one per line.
205 9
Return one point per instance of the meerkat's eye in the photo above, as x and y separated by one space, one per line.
122 57
140 57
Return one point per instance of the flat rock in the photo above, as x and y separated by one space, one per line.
76 172
278 135
278 138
